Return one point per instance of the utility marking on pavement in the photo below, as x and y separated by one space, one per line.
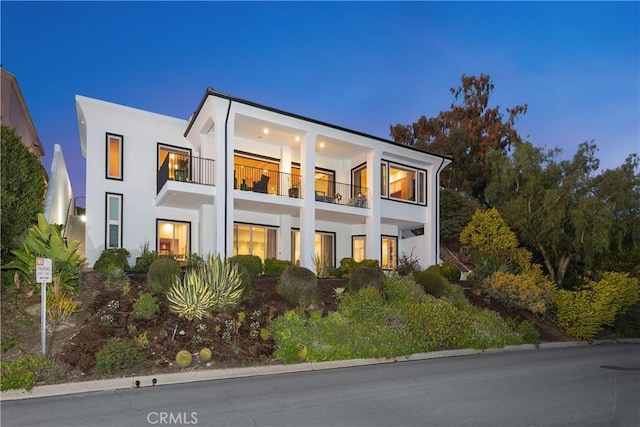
619 368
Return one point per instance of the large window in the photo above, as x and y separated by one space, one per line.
389 256
358 244
254 240
403 183
257 174
324 245
173 238
176 160
113 221
114 156
359 180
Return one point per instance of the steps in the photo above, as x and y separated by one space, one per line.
75 231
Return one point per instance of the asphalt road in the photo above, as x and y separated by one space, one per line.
576 386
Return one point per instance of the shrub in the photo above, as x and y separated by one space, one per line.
163 272
118 354
520 291
146 307
431 282
112 258
363 277
194 260
369 263
22 373
146 259
407 264
449 271
320 263
526 329
60 307
252 263
215 285
584 313
45 240
487 234
299 286
247 282
402 290
118 278
275 267
347 265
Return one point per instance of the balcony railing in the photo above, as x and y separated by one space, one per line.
327 191
186 168
266 181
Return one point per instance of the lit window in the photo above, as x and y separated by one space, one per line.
324 244
358 248
175 163
173 238
389 252
254 240
114 156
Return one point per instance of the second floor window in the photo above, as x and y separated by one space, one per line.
176 161
114 156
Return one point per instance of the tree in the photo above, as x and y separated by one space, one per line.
554 207
23 187
620 190
468 132
456 210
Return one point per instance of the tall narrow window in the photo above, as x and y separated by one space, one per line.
324 247
114 156
384 191
389 252
422 187
113 222
173 238
254 240
358 248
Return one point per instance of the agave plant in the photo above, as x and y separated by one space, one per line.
224 281
215 285
190 297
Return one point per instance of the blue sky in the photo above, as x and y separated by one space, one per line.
360 65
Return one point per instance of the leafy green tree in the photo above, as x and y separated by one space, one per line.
488 235
619 190
23 187
554 206
468 132
456 210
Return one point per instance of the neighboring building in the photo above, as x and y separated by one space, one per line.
243 178
15 114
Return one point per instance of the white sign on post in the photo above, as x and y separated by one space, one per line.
44 275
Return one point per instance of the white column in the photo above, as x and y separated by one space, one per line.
223 219
308 212
284 242
373 244
207 231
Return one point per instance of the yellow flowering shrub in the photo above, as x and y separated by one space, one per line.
585 312
60 307
525 290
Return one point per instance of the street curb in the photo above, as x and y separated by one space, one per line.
227 373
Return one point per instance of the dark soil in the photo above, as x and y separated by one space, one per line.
75 344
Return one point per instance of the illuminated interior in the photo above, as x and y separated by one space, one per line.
247 170
358 248
254 240
173 239
115 157
178 162
389 253
402 183
323 244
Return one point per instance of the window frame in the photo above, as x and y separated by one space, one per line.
393 256
234 245
332 260
174 222
108 221
362 237
173 149
420 186
108 153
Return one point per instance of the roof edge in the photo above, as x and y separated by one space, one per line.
212 92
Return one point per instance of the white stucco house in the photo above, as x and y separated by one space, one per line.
238 177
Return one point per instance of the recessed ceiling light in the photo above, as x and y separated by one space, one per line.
322 145
265 131
297 139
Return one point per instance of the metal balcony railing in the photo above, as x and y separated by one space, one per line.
195 170
258 180
340 193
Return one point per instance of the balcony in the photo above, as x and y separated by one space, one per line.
341 194
188 182
247 178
